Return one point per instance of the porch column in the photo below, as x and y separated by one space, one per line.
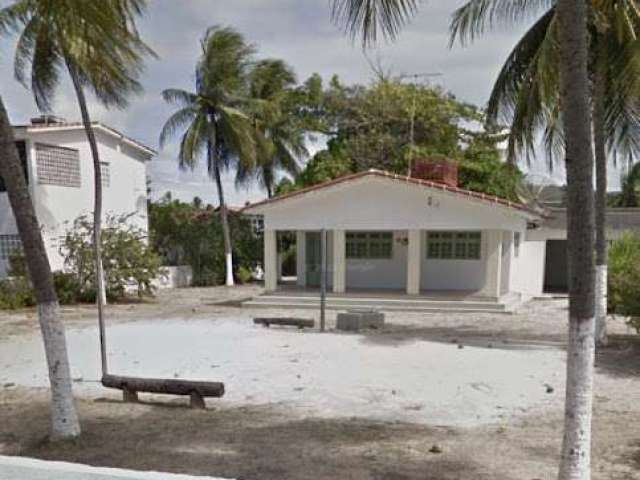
493 261
270 261
301 258
339 261
414 262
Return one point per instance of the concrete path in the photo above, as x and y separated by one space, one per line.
20 468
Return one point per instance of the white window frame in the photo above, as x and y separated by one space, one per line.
9 244
454 245
369 245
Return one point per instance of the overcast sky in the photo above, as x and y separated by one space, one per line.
298 31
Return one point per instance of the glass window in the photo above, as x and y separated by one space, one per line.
106 174
454 245
9 244
369 245
516 244
57 165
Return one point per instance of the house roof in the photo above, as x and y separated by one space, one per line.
615 219
64 126
461 192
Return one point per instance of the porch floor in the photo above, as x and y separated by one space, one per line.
292 290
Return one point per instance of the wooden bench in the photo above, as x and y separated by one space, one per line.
197 390
285 321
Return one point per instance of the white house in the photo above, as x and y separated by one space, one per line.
413 237
59 171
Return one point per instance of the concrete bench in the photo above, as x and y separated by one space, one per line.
197 390
285 321
357 319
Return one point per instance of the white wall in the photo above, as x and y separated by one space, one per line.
527 271
453 274
381 273
57 206
376 203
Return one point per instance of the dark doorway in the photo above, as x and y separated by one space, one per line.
556 278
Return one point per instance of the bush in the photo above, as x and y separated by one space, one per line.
67 288
16 292
126 258
190 234
244 275
624 278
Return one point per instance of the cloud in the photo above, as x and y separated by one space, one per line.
299 32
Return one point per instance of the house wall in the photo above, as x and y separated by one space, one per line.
58 206
381 273
376 203
527 271
453 274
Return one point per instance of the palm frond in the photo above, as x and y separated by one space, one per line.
370 18
477 16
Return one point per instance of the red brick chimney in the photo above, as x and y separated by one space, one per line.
439 170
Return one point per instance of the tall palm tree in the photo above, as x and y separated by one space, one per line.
64 419
98 44
212 119
526 92
365 16
280 139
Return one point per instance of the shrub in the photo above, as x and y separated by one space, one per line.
16 292
127 259
624 278
67 288
244 275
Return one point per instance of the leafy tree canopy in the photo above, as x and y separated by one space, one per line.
371 127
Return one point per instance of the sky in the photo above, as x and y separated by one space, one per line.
297 31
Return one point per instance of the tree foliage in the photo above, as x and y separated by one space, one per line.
370 127
624 278
128 259
191 234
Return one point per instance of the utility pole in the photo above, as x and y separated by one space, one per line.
412 119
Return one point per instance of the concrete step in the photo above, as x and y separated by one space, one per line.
382 302
398 306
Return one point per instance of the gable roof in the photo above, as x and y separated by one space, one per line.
64 126
428 184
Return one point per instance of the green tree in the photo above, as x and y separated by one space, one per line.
365 17
280 138
99 46
526 94
212 118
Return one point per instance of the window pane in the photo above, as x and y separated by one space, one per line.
446 250
461 250
57 166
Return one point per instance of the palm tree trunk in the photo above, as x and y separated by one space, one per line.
64 419
97 213
600 202
228 255
575 461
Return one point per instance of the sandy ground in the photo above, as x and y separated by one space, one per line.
310 405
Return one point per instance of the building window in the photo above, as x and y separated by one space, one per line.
58 166
22 153
106 174
9 244
454 245
516 244
369 245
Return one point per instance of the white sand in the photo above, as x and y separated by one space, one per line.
326 375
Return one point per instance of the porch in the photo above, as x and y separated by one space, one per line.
426 265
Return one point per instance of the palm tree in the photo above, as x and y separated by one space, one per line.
526 93
64 419
630 195
211 118
365 16
280 139
98 44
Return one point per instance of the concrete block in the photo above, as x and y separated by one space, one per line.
354 320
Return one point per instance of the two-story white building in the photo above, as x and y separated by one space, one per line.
59 170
